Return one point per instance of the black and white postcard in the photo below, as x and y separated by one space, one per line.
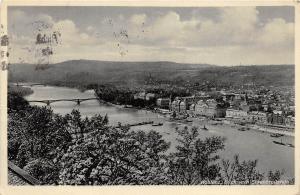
156 96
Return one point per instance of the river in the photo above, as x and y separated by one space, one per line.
249 145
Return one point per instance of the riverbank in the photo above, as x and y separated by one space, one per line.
273 131
107 103
249 144
212 122
20 90
120 105
253 127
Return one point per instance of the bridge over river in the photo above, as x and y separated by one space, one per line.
249 144
77 100
29 84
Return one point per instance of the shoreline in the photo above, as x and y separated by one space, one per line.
169 135
254 127
273 131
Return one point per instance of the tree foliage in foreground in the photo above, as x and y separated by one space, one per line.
114 156
72 150
194 162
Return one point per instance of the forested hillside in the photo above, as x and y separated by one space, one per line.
78 72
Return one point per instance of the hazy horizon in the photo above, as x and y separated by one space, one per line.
219 65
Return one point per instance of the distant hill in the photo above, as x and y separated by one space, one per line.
267 75
134 73
90 71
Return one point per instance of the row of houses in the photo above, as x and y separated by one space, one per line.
210 107
274 118
163 103
213 109
144 96
244 116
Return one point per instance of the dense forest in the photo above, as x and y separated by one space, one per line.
73 150
125 96
77 73
266 75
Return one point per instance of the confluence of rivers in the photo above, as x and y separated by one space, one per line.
249 145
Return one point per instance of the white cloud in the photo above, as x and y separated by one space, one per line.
239 18
236 26
237 36
138 19
23 47
277 33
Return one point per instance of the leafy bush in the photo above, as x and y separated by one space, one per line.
44 170
195 159
113 156
73 150
237 172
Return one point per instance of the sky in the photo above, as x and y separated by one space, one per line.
215 35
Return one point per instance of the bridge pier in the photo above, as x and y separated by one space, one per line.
78 101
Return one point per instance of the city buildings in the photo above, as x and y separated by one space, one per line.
236 114
257 106
209 108
257 117
163 102
144 96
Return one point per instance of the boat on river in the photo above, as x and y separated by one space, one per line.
188 120
283 144
128 106
291 145
157 124
204 128
243 128
282 159
276 135
279 143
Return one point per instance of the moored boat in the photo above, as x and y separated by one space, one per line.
242 129
291 145
128 106
276 135
280 143
157 124
204 128
188 120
